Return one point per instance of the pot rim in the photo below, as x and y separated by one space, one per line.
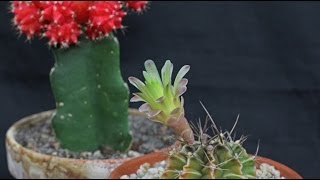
159 156
11 140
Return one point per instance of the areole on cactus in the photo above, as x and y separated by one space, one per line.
163 100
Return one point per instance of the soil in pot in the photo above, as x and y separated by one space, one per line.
148 136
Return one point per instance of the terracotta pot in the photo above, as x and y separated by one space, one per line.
24 163
133 165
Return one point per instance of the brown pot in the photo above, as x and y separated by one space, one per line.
133 165
24 163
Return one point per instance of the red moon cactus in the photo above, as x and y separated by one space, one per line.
62 22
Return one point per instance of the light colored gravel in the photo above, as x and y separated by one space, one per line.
147 172
265 171
147 137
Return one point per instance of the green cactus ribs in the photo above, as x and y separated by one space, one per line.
91 96
216 157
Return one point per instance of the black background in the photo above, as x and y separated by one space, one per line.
259 59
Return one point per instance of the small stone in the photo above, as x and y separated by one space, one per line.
145 138
146 165
44 136
97 155
133 153
55 145
140 172
133 176
267 171
85 155
160 169
125 177
163 163
153 170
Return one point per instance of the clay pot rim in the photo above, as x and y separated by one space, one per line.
159 156
11 141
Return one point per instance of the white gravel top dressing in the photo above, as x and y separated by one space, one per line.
146 171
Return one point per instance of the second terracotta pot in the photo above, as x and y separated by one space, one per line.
131 166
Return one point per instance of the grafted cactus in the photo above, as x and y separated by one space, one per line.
91 96
163 100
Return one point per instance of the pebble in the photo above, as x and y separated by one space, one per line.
97 155
146 171
133 153
125 177
133 176
266 171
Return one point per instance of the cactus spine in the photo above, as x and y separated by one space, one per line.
91 97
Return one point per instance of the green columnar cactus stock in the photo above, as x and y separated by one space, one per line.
163 101
210 159
91 96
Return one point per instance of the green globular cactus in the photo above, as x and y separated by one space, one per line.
163 100
210 160
210 157
91 96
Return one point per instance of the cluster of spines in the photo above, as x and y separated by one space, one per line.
62 22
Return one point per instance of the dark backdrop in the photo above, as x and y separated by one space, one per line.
261 60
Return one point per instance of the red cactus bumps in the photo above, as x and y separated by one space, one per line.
81 9
136 5
103 18
64 34
62 22
26 18
57 12
62 27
